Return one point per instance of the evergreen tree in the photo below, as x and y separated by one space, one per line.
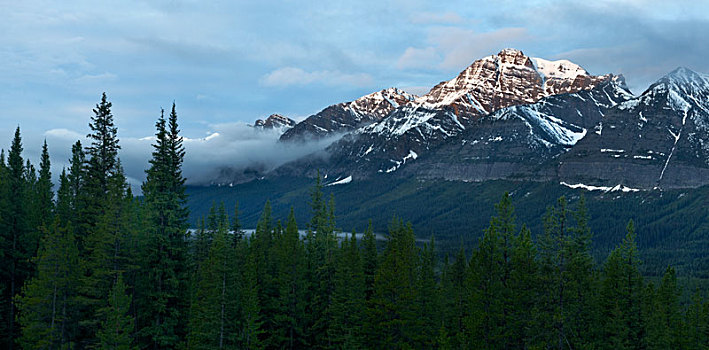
46 305
454 292
321 250
117 324
429 319
523 288
489 277
251 311
238 234
665 322
290 317
392 308
369 260
696 324
45 196
163 302
622 295
212 323
17 239
348 298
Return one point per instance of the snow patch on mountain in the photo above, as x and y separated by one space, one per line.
341 181
616 188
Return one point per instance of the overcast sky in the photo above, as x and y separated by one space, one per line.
226 63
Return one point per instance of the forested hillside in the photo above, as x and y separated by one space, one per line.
92 266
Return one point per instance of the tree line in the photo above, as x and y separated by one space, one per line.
94 267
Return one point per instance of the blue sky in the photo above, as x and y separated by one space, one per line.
226 63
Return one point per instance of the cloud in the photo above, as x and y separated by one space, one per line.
418 58
290 76
228 150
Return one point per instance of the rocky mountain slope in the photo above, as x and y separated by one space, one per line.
275 121
510 116
658 139
348 116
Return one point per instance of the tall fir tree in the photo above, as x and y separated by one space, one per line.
17 238
116 332
163 306
292 298
392 308
621 296
215 308
47 314
45 196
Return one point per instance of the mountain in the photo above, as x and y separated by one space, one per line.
506 79
450 108
524 141
348 116
275 121
658 139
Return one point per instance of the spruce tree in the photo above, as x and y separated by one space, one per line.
163 303
212 322
17 238
292 298
621 296
45 196
117 323
47 312
665 321
392 308
489 276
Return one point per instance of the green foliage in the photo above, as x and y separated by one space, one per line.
47 315
117 324
163 298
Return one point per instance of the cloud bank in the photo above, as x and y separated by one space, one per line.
232 153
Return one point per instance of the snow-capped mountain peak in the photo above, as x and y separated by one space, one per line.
506 79
561 69
381 103
275 121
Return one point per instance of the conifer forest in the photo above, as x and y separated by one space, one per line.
88 264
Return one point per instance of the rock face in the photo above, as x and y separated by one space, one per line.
658 139
522 142
509 116
348 116
507 79
275 121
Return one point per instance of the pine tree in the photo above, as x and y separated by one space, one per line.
369 260
697 323
523 288
17 238
46 305
321 250
290 317
348 300
45 196
454 292
215 309
251 311
163 302
392 308
489 277
238 234
665 321
117 324
103 150
428 303
622 295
